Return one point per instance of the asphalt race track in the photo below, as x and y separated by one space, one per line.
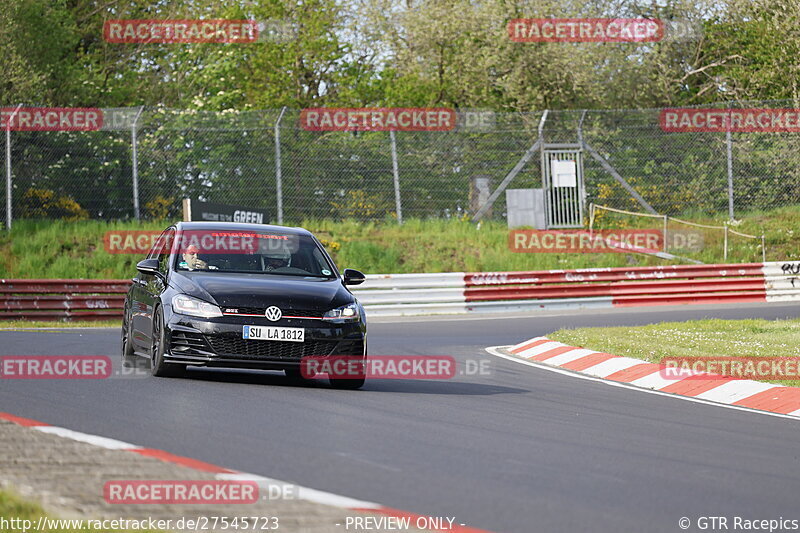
521 449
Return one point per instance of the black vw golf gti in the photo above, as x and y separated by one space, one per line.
242 296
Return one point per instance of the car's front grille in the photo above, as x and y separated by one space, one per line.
304 313
232 345
188 343
259 311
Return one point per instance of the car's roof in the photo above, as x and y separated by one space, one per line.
239 226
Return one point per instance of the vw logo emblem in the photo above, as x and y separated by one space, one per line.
273 313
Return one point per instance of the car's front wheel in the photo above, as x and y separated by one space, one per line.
347 384
128 357
357 376
159 367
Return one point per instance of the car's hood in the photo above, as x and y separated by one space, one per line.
262 290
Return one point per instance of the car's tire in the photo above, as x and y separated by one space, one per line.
159 367
128 357
347 384
350 383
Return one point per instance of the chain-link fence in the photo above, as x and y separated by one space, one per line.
144 161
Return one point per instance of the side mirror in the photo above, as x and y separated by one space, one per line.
353 277
148 267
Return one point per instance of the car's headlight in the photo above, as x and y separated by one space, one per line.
346 313
186 305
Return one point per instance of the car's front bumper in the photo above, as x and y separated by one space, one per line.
218 342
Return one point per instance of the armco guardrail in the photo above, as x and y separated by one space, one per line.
62 299
462 292
465 292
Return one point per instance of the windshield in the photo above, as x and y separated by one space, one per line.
251 252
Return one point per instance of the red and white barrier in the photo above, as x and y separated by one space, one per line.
466 292
470 292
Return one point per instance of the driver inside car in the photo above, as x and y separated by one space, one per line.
274 262
191 261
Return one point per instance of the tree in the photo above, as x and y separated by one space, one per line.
749 52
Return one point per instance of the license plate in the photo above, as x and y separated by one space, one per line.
272 333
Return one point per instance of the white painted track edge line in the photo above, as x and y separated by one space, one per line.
95 440
737 390
529 341
304 493
495 350
568 357
539 349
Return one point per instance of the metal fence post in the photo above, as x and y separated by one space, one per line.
397 204
729 154
583 193
9 216
725 244
278 176
135 163
729 142
8 176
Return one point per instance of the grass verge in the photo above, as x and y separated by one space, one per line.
13 506
706 338
59 249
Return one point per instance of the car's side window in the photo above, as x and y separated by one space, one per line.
165 248
155 251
